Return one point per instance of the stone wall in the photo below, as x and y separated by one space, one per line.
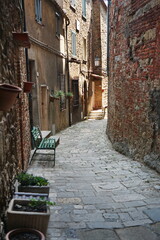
79 69
14 124
134 81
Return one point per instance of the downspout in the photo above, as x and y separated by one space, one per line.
68 75
27 71
108 59
108 36
28 76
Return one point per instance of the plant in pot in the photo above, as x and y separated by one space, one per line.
25 234
57 95
69 95
32 184
27 86
33 213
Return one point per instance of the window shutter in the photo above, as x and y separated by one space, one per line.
84 8
74 43
36 9
40 11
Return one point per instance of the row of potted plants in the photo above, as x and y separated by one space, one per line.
9 93
29 209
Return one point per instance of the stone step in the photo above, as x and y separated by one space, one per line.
96 114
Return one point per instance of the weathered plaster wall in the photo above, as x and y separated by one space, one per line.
48 53
14 124
134 82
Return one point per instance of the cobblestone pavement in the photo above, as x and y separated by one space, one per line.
99 193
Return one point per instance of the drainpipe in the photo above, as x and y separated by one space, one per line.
27 71
108 35
68 75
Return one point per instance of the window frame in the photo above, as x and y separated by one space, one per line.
73 39
84 9
75 90
38 11
84 49
57 15
62 88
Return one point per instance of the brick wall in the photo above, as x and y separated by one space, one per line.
14 124
134 82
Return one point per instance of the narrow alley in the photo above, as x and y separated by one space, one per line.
99 193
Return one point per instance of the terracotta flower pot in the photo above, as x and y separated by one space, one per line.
27 86
8 94
22 39
17 232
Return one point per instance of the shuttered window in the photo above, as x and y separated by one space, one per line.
38 10
84 8
75 90
63 89
57 24
84 49
73 44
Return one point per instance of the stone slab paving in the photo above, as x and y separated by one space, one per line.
99 193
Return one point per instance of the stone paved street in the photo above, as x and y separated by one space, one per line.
99 193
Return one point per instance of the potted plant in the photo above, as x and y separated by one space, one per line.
27 86
57 95
52 97
25 233
33 213
69 95
22 39
30 183
8 94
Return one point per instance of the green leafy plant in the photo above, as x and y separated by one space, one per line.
40 203
59 94
69 94
26 179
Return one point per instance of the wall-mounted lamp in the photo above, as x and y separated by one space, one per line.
97 61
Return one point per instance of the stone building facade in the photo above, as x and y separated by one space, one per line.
14 123
46 23
134 79
87 82
79 38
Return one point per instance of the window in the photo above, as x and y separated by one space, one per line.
84 8
84 50
75 90
57 24
63 89
38 10
73 3
74 44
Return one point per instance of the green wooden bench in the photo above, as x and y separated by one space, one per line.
44 143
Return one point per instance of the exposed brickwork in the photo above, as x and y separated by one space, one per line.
134 82
14 124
